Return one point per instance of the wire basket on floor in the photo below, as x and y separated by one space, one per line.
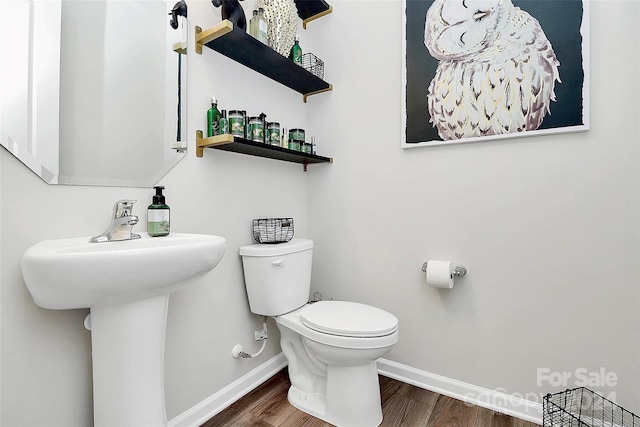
272 230
581 407
313 64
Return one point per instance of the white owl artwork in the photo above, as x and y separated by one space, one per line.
496 72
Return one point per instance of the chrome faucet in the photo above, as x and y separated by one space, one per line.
121 224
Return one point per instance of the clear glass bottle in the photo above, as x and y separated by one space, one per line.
261 27
253 25
296 51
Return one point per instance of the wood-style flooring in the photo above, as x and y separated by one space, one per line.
402 405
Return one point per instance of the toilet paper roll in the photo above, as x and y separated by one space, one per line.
439 274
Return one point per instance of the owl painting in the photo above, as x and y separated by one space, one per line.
496 73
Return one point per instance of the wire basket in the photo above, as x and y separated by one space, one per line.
313 64
272 230
581 407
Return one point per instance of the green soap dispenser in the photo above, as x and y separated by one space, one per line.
158 215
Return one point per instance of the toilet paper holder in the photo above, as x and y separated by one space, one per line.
459 271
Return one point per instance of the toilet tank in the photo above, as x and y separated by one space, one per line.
277 277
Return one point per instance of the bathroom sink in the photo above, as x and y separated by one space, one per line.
72 273
126 285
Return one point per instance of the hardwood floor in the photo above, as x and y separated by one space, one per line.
402 405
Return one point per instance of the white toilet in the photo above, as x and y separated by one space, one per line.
331 346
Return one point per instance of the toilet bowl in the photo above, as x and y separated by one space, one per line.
331 346
335 377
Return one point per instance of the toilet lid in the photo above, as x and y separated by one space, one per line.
348 319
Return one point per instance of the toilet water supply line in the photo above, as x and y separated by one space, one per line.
237 351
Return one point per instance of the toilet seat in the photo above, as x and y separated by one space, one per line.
348 319
293 321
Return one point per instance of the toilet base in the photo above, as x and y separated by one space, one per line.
353 397
310 403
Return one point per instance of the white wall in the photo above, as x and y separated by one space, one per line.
46 368
548 228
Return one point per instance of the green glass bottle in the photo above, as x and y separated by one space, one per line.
213 118
158 215
296 51
224 123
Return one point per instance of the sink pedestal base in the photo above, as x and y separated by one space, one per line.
128 363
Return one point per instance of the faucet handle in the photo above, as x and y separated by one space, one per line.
123 208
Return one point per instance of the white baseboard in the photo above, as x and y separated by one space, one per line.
217 402
490 399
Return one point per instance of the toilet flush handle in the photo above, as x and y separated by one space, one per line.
278 263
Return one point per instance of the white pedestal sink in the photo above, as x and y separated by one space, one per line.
126 285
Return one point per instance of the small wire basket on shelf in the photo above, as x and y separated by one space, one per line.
313 64
581 407
272 230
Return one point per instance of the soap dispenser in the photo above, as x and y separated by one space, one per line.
158 215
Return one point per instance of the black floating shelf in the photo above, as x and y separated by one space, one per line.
236 44
240 145
308 10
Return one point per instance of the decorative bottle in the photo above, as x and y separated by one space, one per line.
213 118
253 25
262 27
296 52
224 123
